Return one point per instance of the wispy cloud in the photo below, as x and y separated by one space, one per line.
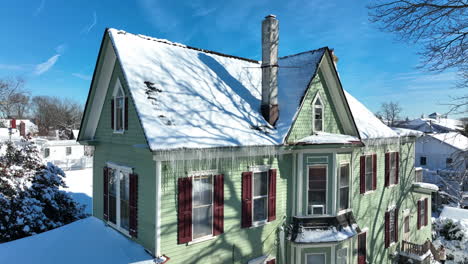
203 11
11 67
46 66
60 49
88 28
39 9
82 76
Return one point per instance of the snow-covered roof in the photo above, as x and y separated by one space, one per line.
429 125
454 213
405 132
453 139
368 124
426 185
331 234
192 98
328 138
85 241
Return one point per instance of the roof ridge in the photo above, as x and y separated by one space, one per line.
168 42
304 52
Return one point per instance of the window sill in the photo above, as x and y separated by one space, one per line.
119 132
200 240
369 192
120 230
344 211
259 223
392 185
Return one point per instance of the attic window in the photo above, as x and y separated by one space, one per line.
119 108
317 107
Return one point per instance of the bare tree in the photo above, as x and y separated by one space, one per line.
389 113
52 113
440 26
14 100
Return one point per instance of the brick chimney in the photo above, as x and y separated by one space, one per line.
270 37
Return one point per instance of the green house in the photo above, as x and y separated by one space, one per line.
203 157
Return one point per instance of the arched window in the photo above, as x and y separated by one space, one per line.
118 109
317 107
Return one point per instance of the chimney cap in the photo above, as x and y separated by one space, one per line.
270 16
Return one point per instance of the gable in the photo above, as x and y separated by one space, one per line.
337 117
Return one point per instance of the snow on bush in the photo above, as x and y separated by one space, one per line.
453 234
30 197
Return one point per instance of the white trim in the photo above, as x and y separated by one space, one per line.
300 209
200 239
309 254
259 168
101 86
325 211
338 183
294 185
118 87
202 173
335 186
267 196
322 106
158 189
126 171
206 237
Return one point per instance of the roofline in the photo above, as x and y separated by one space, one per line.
303 52
432 136
192 48
92 83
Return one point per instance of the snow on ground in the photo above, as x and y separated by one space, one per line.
453 234
455 213
87 241
80 187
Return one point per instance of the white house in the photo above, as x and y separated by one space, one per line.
442 151
29 126
67 154
436 123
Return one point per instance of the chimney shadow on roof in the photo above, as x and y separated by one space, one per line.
232 82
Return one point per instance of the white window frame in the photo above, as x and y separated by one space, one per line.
310 254
200 174
326 188
392 168
338 255
339 186
118 87
371 155
313 113
126 170
46 152
260 169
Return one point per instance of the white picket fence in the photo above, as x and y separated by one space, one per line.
73 164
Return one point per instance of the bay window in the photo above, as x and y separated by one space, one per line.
317 189
343 191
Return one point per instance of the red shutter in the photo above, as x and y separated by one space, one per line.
387 229
133 204
419 215
271 261
112 114
184 221
426 211
362 248
105 184
387 169
362 175
23 129
13 123
396 225
218 214
397 174
246 199
272 195
374 172
126 114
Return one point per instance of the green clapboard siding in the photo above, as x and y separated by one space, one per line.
236 245
302 127
119 148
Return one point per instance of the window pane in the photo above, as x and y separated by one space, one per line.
344 198
260 183
124 201
202 221
317 173
318 102
119 102
316 259
344 175
342 256
202 190
260 209
112 196
318 124
317 197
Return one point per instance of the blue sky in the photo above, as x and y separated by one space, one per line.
53 44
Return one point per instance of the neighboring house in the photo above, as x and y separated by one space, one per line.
67 154
209 158
436 123
442 151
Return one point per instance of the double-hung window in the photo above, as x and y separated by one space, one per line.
316 258
317 114
68 151
260 197
317 189
342 256
343 199
119 101
391 227
368 173
423 212
391 168
202 204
